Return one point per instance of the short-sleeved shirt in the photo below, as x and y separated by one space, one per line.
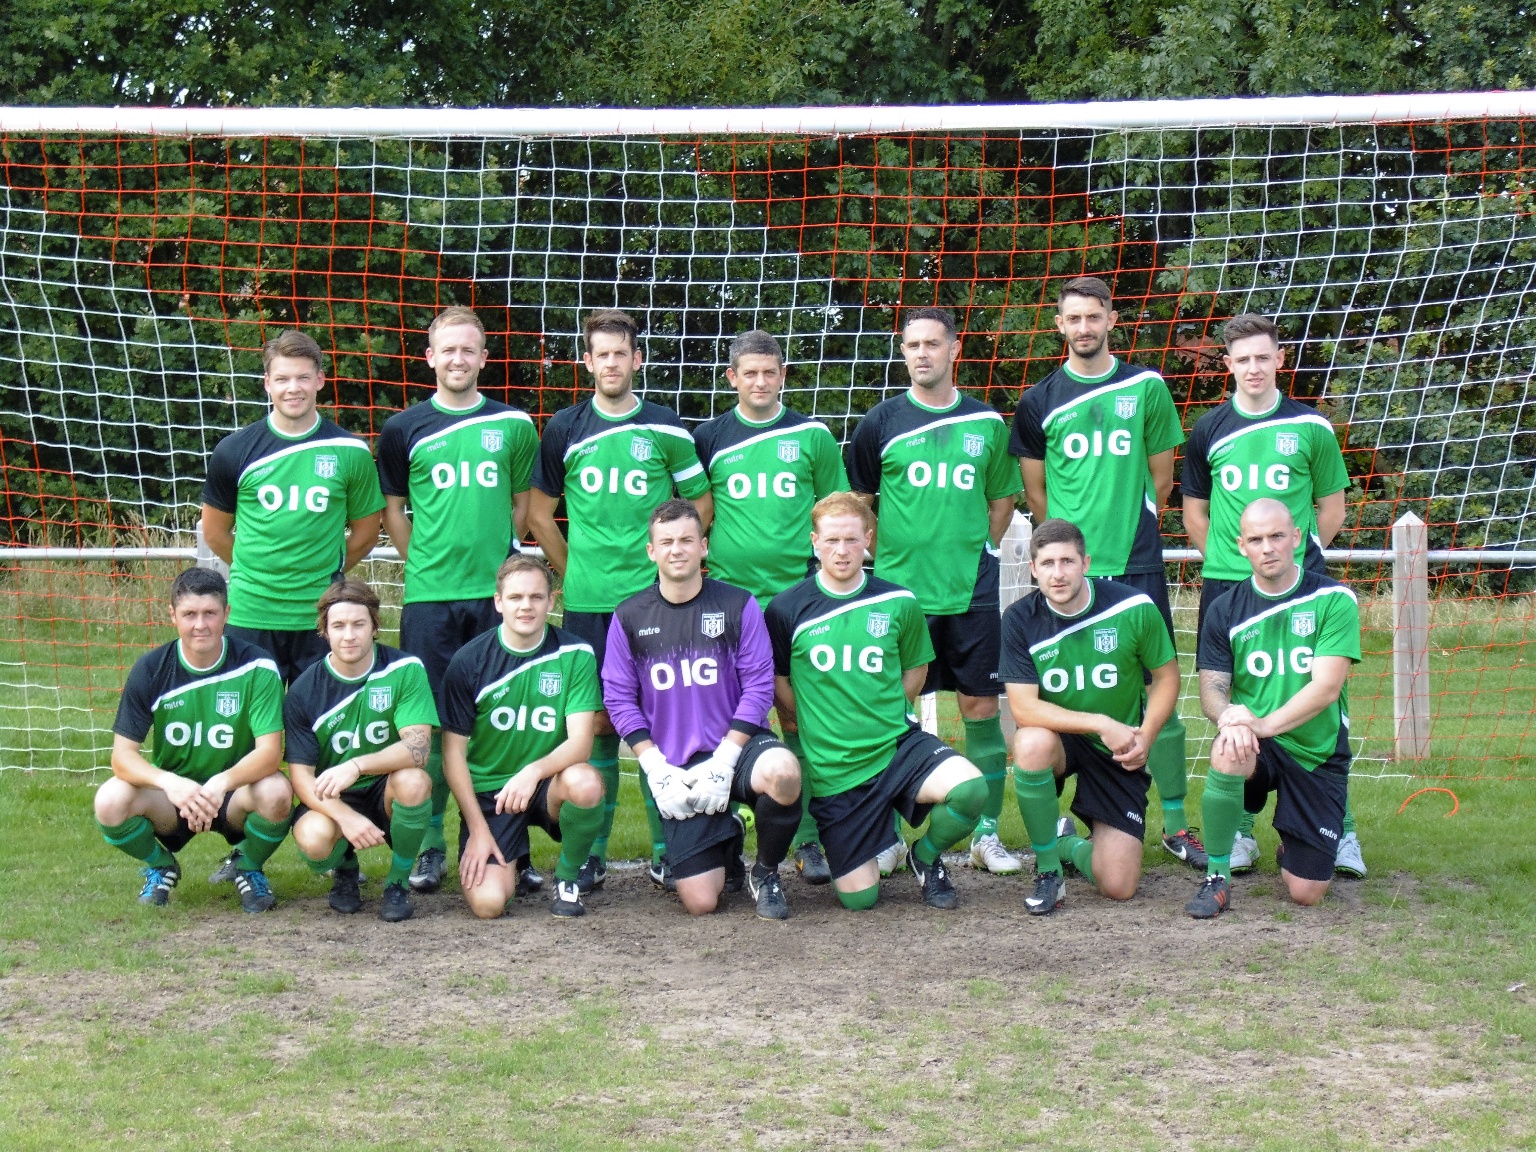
1267 644
935 470
513 705
1095 437
766 477
204 721
1093 660
613 472
1289 453
291 497
329 719
458 469
844 656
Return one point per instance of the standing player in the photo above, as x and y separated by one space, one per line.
614 457
215 706
1076 654
304 496
462 462
518 707
689 681
1095 442
1260 443
939 463
767 466
1275 656
359 726
850 652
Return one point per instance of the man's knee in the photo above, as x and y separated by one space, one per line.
272 796
315 833
1116 885
583 786
1034 748
780 775
487 901
976 707
699 895
967 797
1307 893
411 786
115 801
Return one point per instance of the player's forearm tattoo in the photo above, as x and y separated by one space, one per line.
419 744
1215 693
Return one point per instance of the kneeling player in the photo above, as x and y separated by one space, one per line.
1274 663
215 705
362 719
1074 656
850 652
519 706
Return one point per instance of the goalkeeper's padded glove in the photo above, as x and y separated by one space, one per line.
667 787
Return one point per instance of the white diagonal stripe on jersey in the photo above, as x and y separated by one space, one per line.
1113 610
910 432
544 659
513 415
372 676
1286 604
270 665
790 430
1308 418
333 442
666 429
897 594
1144 374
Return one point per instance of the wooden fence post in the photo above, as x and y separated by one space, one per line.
1410 637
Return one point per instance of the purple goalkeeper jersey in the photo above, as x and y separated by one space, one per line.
683 675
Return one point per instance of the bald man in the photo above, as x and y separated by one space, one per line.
1274 659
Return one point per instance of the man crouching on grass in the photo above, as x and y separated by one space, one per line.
215 706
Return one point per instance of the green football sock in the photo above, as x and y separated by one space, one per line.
1221 810
338 854
578 830
262 838
985 748
1036 793
1080 852
136 836
1245 825
434 837
1165 760
653 819
1349 816
408 824
806 833
951 821
862 900
605 758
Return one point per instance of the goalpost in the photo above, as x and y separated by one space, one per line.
145 254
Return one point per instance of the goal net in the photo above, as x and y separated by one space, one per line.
146 254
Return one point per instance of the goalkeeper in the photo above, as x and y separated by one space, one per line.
688 681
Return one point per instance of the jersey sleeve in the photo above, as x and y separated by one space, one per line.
864 457
1016 665
754 668
363 495
827 472
1339 633
1154 647
621 686
1196 480
221 488
704 437
135 717
525 451
1215 651
415 705
914 643
683 462
1328 472
584 692
301 744
1003 478
780 632
459 687
394 462
266 701
1027 438
1161 429
549 466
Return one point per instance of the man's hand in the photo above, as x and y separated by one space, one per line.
196 806
517 793
1236 741
1134 758
334 781
1118 738
477 856
667 787
1236 714
360 831
709 784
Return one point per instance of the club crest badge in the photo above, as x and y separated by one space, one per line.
549 683
490 439
379 699
640 448
1303 623
227 703
1287 443
789 451
974 443
879 624
1106 640
712 624
1125 407
325 467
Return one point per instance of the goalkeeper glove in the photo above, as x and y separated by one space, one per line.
667 787
709 784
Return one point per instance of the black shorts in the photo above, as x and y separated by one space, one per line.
699 844
293 650
966 651
1309 807
367 800
180 836
593 628
510 829
1106 792
856 825
435 630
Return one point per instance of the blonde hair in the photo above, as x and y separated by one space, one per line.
449 317
842 504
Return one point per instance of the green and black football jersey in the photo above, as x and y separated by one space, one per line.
291 497
203 721
844 656
935 471
513 705
1267 644
330 719
1289 453
1091 661
458 469
1095 437
613 471
766 478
